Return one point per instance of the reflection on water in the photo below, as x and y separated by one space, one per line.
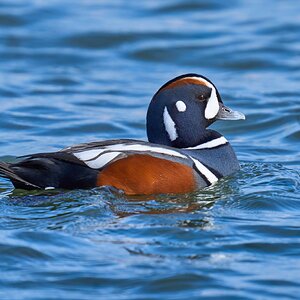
78 71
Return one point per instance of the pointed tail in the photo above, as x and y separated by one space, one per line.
7 172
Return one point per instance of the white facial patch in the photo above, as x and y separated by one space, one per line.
212 106
180 105
170 125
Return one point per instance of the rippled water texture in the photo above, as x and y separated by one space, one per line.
76 71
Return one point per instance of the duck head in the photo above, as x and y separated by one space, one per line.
182 109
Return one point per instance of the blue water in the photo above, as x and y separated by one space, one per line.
77 71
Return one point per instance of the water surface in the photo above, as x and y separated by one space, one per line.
77 71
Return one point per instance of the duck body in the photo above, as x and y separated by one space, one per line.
182 155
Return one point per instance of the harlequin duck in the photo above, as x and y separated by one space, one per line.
182 155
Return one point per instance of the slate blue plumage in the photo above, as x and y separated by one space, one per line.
178 118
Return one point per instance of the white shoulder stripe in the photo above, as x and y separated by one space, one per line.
143 148
211 144
94 153
97 158
210 176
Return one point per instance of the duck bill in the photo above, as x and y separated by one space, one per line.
226 113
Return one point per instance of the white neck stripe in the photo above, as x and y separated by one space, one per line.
170 125
211 144
210 176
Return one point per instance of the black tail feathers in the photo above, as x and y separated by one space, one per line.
18 182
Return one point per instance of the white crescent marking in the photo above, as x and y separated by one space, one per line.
212 106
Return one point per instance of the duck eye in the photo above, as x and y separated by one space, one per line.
202 97
205 94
